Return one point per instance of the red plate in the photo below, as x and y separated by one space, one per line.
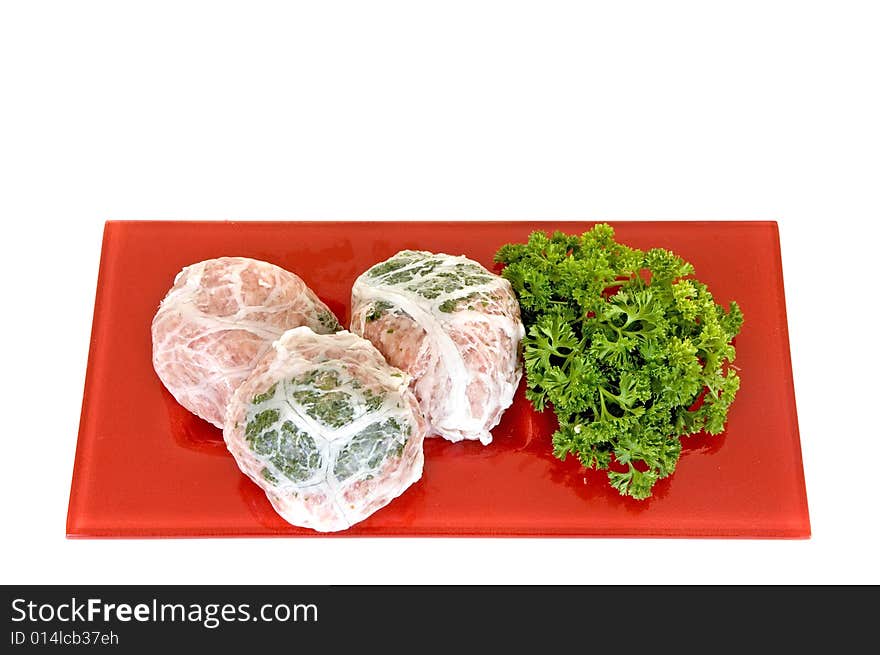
145 467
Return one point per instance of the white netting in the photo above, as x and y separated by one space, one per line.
216 322
454 326
327 429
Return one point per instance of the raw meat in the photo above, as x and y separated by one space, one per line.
452 325
216 322
327 429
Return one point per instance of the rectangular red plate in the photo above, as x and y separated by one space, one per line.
145 467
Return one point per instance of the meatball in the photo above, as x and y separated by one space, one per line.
219 319
454 327
327 429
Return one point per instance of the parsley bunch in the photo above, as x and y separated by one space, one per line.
631 353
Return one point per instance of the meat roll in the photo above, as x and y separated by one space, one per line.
454 327
327 429
219 319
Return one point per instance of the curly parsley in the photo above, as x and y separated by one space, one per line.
631 353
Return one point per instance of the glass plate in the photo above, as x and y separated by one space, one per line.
145 467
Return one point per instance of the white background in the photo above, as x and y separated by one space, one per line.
448 110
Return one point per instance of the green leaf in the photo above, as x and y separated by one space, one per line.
621 343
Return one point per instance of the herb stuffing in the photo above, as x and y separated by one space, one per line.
629 350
